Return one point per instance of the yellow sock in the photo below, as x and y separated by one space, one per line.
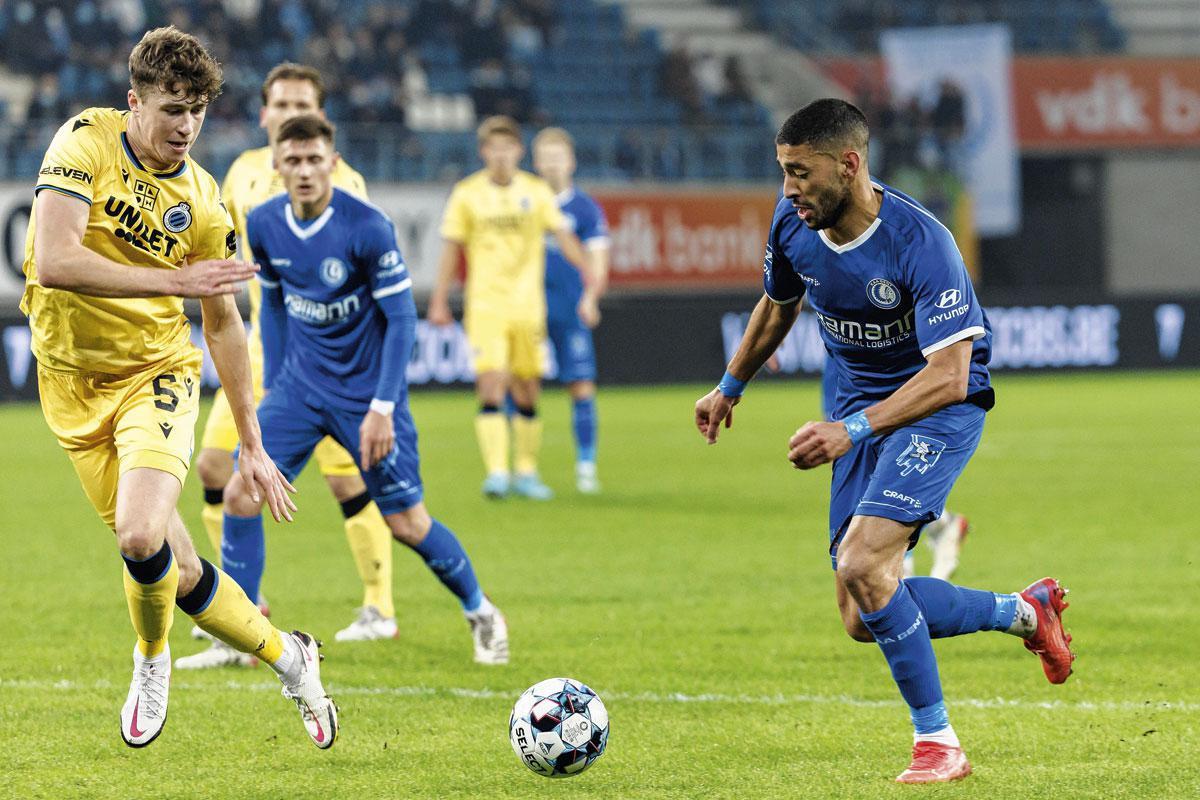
232 618
527 441
152 608
491 429
371 545
213 517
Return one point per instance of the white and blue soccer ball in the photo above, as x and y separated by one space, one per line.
558 727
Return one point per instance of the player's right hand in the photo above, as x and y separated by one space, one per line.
711 410
212 277
439 312
265 482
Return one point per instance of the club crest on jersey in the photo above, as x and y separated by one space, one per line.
920 455
333 272
883 293
178 218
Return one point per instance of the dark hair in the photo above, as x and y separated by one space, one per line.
499 124
305 128
175 62
825 124
287 71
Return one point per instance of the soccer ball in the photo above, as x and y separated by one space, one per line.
558 727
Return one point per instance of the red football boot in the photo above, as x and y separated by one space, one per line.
1051 642
934 762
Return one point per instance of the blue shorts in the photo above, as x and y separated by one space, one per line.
907 474
294 419
573 349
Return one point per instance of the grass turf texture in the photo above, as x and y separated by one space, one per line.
694 595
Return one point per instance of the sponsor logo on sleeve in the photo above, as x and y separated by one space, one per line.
67 172
948 298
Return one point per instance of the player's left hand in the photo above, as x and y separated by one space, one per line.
265 481
376 437
817 443
588 310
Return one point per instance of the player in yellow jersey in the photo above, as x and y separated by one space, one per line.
289 91
499 218
124 225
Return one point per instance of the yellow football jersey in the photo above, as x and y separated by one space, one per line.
139 217
251 180
503 229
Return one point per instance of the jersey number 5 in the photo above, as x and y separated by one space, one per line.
166 400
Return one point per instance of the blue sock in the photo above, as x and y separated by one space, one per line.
244 552
954 610
583 420
445 556
903 636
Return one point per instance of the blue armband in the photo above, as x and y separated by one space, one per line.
731 386
858 427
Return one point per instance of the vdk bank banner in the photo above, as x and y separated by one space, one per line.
976 60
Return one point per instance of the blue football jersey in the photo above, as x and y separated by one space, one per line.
564 284
331 270
885 301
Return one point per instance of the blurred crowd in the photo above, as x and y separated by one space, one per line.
372 53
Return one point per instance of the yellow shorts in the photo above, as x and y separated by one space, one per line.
220 433
110 424
517 347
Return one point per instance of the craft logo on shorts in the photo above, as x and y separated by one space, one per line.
178 218
921 454
883 293
333 272
768 257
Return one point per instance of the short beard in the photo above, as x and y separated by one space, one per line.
836 213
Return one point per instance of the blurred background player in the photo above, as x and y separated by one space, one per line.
498 218
124 225
338 325
289 90
944 536
570 313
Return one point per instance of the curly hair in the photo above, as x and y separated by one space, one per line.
175 62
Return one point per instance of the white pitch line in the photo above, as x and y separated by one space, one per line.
638 697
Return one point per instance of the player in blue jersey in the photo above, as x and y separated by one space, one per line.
900 319
338 324
570 313
944 536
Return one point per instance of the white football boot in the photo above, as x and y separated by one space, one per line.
368 626
946 542
302 685
586 481
217 655
490 632
145 709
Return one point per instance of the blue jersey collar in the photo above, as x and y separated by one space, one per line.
174 173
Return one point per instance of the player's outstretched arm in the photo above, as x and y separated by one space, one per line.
769 324
589 303
439 300
572 250
64 263
941 382
226 338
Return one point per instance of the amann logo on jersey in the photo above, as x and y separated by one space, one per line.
317 313
868 334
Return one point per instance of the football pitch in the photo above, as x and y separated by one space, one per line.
694 595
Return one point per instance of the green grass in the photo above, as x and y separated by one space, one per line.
694 595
